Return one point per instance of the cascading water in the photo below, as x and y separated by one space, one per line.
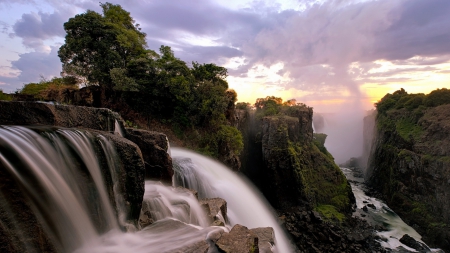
46 168
59 173
245 204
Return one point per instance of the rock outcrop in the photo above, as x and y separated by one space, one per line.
410 164
48 114
154 147
293 169
299 171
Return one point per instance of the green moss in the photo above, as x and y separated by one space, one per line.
330 213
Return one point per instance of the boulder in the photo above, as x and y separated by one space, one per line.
214 208
239 240
411 242
266 239
154 147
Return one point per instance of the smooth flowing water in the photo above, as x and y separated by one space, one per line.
245 204
60 173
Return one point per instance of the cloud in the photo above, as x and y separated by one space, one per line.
35 28
31 66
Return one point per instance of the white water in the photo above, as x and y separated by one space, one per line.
382 216
50 166
245 204
50 163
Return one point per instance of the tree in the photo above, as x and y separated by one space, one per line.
96 44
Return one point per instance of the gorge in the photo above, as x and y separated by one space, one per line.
76 180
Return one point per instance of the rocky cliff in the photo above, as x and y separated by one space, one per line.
292 167
410 161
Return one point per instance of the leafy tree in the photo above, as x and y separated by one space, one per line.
96 44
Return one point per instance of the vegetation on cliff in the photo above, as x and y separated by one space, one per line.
410 162
109 51
297 169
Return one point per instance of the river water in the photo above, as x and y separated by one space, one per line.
381 216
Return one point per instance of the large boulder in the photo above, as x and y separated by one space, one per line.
154 147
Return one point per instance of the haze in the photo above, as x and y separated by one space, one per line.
336 56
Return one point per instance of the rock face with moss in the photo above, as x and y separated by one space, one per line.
292 167
299 169
410 161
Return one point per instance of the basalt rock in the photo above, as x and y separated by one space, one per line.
312 234
48 114
411 242
410 166
154 147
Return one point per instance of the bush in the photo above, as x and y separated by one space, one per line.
4 96
438 97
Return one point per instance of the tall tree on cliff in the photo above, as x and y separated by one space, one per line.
95 44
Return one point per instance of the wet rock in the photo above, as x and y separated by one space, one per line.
130 175
154 147
266 239
411 242
215 207
372 206
365 209
239 240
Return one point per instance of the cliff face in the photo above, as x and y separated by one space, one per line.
291 167
410 166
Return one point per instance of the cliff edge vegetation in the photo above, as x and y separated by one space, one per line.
410 161
294 168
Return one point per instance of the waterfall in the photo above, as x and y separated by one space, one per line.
61 174
47 166
245 204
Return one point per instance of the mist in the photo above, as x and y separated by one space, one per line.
345 131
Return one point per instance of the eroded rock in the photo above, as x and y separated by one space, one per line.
154 147
239 240
214 208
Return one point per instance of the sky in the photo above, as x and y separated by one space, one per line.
333 55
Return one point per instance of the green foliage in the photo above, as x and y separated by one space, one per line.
438 97
243 106
401 99
319 141
44 89
4 96
95 44
408 129
109 50
330 213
